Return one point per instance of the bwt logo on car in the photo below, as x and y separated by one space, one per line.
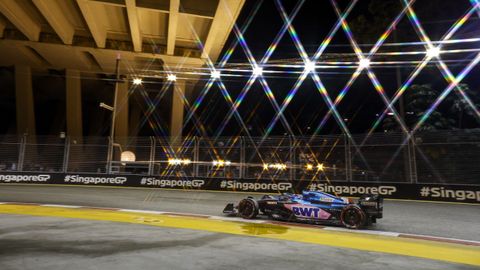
150 181
353 190
232 184
7 178
94 180
310 212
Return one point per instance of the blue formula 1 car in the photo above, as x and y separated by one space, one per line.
312 207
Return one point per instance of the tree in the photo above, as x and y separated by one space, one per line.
368 27
451 113
435 15
419 98
459 106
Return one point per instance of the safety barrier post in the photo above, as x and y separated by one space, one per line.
292 143
242 157
110 155
151 163
66 154
348 158
196 155
21 153
412 159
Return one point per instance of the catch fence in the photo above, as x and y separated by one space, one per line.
440 157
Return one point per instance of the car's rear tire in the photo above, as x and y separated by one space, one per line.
353 217
248 208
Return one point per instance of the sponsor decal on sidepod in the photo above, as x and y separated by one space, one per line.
308 211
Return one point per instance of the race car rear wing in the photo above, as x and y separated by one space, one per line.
372 204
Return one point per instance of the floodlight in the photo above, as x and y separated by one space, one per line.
364 63
309 167
218 163
215 74
257 71
433 52
137 81
176 161
127 156
221 163
320 167
105 106
309 66
278 166
171 77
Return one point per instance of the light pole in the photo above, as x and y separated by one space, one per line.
113 109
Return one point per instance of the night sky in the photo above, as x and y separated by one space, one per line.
312 23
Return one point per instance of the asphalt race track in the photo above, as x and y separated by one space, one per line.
35 240
436 219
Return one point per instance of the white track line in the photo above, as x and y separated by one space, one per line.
393 234
141 211
61 205
237 219
439 238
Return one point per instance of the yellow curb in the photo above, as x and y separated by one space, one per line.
448 252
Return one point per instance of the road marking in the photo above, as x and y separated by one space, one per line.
141 211
392 234
440 239
295 224
442 251
238 219
62 205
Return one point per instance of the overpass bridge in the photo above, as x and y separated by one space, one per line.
84 38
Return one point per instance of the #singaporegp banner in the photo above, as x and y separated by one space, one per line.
430 192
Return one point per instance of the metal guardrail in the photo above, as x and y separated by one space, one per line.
430 157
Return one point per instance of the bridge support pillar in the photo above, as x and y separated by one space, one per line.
121 113
74 103
178 103
25 103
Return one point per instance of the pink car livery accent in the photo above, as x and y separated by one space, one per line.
304 211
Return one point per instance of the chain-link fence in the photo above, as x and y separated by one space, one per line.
429 157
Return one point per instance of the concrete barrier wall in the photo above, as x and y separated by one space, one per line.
428 192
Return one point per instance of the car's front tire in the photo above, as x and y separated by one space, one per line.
248 208
353 217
